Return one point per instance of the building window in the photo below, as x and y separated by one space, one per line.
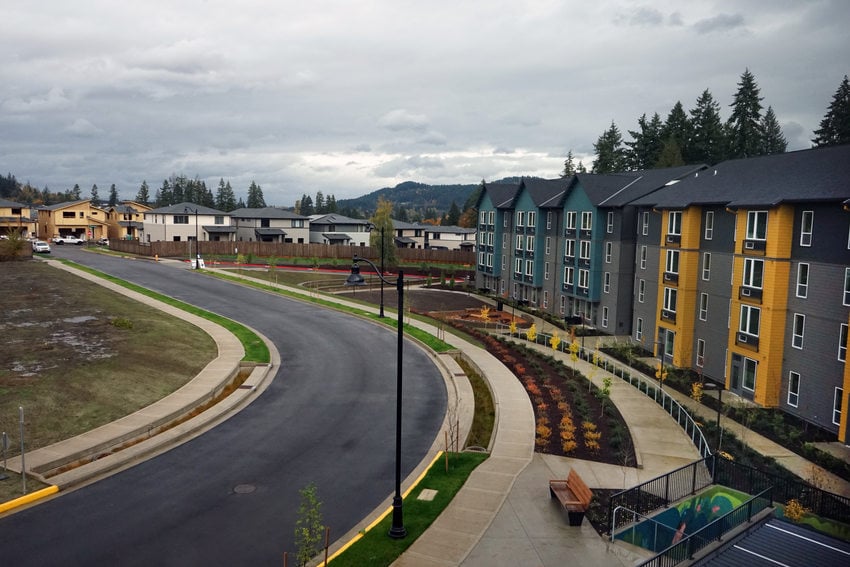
548 220
571 220
506 220
529 267
674 223
570 248
518 266
604 316
584 279
532 219
793 389
481 259
584 250
482 238
670 295
492 215
799 329
609 252
586 220
672 265
489 260
69 215
606 283
504 262
700 352
643 257
548 244
546 270
529 243
490 238
641 291
609 227
846 300
644 223
563 305
703 306
750 368
757 225
709 225
520 219
837 399
842 343
181 219
753 273
569 274
482 217
518 242
219 219
706 266
802 280
806 226
545 299
639 329
750 319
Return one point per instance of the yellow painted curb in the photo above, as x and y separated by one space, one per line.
26 499
385 514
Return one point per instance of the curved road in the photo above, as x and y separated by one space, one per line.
328 418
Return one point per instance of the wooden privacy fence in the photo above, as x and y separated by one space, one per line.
169 249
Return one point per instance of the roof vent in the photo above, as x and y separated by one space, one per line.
715 172
696 174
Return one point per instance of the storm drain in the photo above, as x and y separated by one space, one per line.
244 488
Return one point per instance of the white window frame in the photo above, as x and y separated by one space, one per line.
609 252
548 220
837 401
583 278
842 342
517 266
846 299
671 265
606 282
531 219
545 299
755 366
548 245
489 260
570 248
520 219
529 268
584 250
483 217
674 223
803 280
793 398
506 220
546 270
798 330
518 246
706 266
529 243
700 353
492 217
644 228
749 321
671 295
750 272
709 225
703 307
641 290
570 221
605 316
639 329
562 305
757 225
490 236
504 262
587 220
643 257
807 225
569 275
609 225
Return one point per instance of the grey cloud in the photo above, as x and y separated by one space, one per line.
719 23
82 127
408 167
401 119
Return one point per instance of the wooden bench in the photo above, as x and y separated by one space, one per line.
574 496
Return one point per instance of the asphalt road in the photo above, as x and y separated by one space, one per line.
230 497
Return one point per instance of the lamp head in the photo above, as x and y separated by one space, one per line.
355 278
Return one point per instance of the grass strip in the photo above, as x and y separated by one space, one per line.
255 348
375 548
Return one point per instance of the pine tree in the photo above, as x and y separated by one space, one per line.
382 219
165 196
320 203
307 206
671 154
610 154
255 197
774 141
143 196
676 131
113 195
646 144
581 168
453 216
95 198
708 139
331 204
745 125
75 193
835 126
225 199
569 166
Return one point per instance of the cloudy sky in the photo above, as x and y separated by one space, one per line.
346 97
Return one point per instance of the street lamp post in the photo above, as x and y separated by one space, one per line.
370 227
397 530
197 243
719 387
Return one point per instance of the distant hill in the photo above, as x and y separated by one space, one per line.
414 197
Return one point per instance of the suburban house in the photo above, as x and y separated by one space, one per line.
338 229
72 218
15 217
126 221
270 224
416 235
187 222
740 271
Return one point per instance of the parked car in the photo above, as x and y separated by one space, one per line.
103 241
41 246
68 239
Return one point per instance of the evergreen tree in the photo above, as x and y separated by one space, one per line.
745 125
400 214
143 196
569 166
610 154
240 204
646 145
774 141
75 193
331 204
581 168
835 126
676 131
453 216
671 154
307 206
255 197
225 199
113 195
708 138
165 195
382 219
320 203
95 198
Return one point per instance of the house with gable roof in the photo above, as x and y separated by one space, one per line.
72 218
270 224
15 217
338 229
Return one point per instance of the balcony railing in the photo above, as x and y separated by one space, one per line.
754 245
751 293
671 277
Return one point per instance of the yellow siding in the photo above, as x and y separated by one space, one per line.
845 399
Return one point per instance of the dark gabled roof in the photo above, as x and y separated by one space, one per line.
266 213
334 218
64 205
12 204
219 228
185 208
547 193
502 195
620 189
819 174
269 232
334 236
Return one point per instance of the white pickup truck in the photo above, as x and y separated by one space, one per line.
68 239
